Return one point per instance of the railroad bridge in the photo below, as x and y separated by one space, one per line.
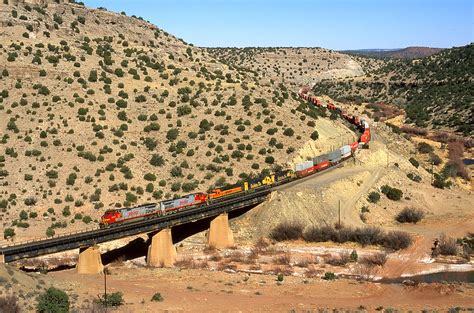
161 251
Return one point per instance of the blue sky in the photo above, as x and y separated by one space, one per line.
334 24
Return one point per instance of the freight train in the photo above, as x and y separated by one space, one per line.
117 216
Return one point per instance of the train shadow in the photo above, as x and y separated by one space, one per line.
139 247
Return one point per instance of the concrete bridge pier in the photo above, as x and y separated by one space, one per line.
161 252
90 261
220 235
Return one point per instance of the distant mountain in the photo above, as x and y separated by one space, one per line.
406 53
435 91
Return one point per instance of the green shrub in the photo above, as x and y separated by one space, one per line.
424 147
112 299
314 135
8 233
414 162
157 297
373 197
414 177
354 256
392 193
289 132
329 276
53 300
172 134
50 232
149 177
280 277
157 160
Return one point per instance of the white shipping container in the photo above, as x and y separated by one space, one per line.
345 150
303 166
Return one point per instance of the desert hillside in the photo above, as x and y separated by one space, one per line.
103 110
435 91
294 66
405 53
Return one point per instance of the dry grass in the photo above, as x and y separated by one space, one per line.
342 259
313 272
447 245
236 256
215 257
365 271
255 267
185 262
222 266
414 131
285 270
283 259
410 215
456 152
375 259
9 304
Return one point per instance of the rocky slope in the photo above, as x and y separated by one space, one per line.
294 66
405 53
103 110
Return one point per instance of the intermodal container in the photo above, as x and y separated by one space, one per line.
345 150
303 166
334 155
320 159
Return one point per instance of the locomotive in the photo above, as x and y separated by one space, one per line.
319 163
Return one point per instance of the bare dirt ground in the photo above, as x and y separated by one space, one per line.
203 291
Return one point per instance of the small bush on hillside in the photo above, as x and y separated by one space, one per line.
329 276
112 299
362 235
375 259
373 197
414 162
157 297
287 231
424 147
396 240
392 193
8 233
447 245
435 159
410 215
314 135
414 177
53 300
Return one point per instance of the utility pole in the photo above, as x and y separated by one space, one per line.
432 172
106 270
387 159
339 213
